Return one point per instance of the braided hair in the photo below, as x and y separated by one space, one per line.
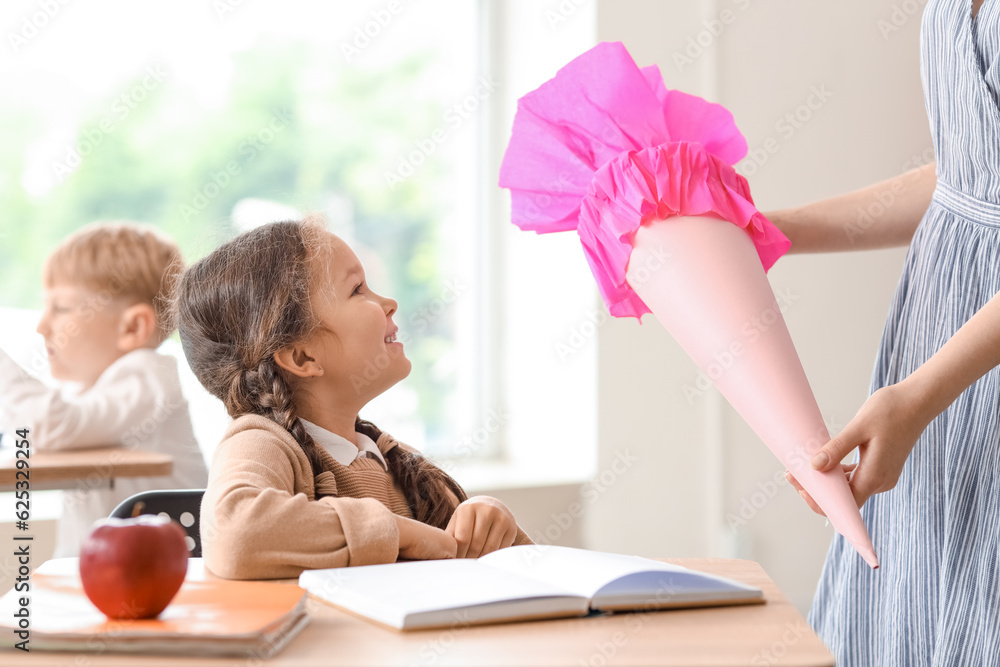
245 301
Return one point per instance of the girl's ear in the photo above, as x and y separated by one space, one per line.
296 360
137 327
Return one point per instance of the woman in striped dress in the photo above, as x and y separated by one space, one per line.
928 437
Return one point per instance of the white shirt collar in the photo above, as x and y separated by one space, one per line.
340 448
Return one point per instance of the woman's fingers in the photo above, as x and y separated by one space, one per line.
833 452
848 470
864 485
794 482
812 503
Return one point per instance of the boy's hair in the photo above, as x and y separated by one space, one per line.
248 299
120 259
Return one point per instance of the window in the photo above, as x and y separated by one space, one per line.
387 116
207 118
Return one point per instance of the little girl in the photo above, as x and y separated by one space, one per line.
281 326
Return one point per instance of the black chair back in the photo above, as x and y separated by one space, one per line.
181 505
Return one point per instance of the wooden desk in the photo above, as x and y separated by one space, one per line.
770 634
95 467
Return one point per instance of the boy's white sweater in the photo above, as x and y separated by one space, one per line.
136 403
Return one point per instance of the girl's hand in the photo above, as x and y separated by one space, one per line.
420 541
884 431
480 525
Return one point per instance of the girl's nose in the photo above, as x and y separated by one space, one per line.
390 305
43 325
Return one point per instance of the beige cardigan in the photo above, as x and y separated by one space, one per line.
260 518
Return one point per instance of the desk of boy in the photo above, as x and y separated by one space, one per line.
93 467
769 634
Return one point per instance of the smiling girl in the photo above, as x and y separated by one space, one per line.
280 324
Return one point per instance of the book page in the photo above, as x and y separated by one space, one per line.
392 592
579 570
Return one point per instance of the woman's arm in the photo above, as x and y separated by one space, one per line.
966 357
882 215
892 419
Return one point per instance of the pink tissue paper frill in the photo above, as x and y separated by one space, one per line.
637 187
598 108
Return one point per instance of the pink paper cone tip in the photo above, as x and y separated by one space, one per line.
868 555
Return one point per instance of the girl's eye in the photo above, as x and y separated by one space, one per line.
358 288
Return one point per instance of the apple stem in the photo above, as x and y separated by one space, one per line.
137 508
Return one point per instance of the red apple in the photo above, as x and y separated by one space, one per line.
132 568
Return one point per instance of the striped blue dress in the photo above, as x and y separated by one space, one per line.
935 600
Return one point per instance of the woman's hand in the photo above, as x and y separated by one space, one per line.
420 541
884 431
887 426
480 525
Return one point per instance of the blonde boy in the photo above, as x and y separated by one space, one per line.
106 292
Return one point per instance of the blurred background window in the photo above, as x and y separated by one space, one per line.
207 118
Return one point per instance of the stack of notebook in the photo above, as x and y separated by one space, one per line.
208 617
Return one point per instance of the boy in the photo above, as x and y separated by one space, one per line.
106 297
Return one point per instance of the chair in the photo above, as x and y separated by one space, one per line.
181 505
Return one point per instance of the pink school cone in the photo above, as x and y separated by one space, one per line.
605 149
703 280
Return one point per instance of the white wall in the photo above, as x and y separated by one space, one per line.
669 471
698 461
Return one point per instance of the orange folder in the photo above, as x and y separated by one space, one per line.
208 617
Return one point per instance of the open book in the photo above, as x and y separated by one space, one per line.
208 617
517 583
